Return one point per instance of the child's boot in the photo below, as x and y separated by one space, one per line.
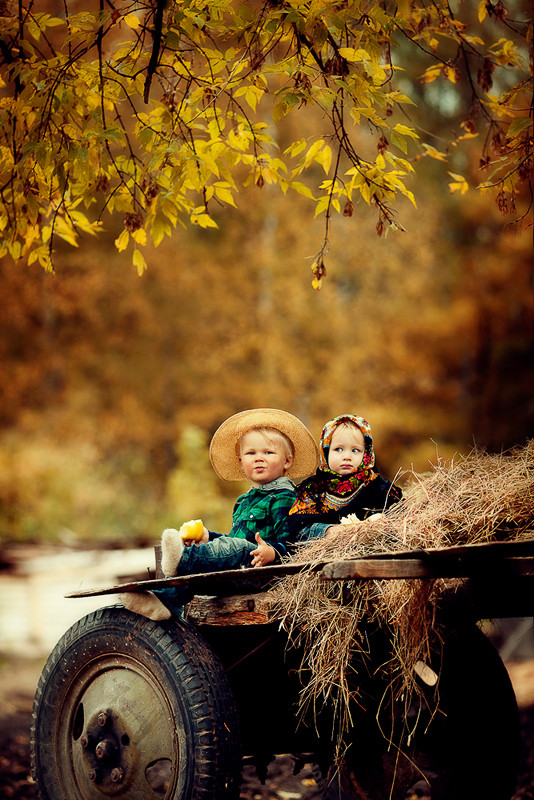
146 604
172 547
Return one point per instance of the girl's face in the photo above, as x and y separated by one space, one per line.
263 461
346 451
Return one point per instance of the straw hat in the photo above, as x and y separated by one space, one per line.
224 447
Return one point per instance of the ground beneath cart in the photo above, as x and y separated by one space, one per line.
18 679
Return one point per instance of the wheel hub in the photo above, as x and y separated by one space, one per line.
127 749
105 751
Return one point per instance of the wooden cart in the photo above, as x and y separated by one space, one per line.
130 708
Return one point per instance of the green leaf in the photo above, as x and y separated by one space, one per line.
284 106
518 125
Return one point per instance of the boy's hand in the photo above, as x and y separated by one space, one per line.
264 554
205 538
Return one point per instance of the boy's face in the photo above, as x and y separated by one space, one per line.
263 461
347 449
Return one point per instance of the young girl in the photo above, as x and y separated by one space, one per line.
345 482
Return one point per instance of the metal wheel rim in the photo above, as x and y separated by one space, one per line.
140 722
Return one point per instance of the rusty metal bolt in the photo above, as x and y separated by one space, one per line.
117 775
94 775
102 718
105 749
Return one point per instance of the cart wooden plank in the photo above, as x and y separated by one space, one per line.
424 567
231 581
508 558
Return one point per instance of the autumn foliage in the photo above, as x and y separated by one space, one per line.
222 146
158 112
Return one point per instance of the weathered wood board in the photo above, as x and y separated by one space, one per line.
502 559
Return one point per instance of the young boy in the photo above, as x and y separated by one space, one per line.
266 446
345 482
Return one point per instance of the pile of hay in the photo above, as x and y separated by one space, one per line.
473 499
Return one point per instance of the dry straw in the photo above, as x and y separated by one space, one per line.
472 499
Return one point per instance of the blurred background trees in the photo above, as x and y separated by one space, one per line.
428 335
111 384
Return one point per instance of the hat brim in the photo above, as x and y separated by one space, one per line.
224 447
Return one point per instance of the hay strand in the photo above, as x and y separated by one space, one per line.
477 498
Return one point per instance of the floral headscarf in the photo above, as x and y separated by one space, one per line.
326 490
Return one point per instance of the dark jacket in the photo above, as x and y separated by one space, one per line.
372 498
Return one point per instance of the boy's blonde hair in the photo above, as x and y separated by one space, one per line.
273 436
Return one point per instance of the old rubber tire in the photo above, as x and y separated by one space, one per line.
136 709
465 746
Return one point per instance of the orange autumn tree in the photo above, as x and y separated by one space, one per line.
158 111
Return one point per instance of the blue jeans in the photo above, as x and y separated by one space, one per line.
222 552
315 531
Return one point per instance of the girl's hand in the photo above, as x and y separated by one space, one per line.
264 554
334 530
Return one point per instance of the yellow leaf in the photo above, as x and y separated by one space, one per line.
365 191
139 262
132 21
464 136
65 231
322 205
252 95
121 242
159 229
294 148
350 54
406 192
223 193
204 220
476 40
311 155
324 157
431 74
433 153
459 183
451 74
380 161
45 260
15 248
482 10
405 130
301 188
139 236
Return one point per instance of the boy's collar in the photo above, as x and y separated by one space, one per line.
279 483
